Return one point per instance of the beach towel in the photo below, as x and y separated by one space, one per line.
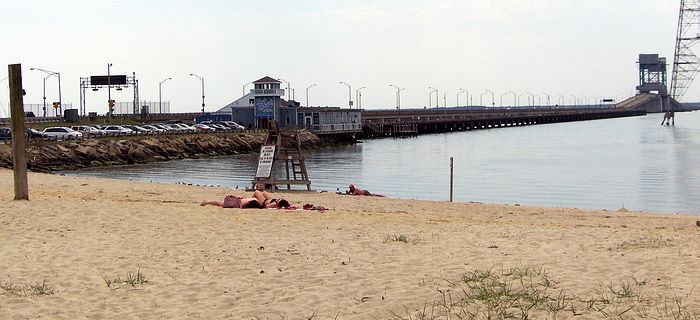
232 202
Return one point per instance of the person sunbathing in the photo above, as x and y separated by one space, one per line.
360 192
259 200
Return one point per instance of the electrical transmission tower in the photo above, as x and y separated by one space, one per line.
685 62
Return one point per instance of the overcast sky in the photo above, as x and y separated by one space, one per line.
555 47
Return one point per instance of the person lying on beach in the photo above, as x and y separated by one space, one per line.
259 200
359 192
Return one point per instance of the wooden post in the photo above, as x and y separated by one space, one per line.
452 176
19 150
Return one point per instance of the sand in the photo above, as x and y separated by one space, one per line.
366 258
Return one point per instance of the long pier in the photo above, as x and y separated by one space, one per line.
388 123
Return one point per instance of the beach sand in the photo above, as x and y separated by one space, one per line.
69 252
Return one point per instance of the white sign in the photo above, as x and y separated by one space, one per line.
267 155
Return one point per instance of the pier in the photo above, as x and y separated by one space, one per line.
394 123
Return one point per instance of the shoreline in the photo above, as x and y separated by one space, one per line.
364 258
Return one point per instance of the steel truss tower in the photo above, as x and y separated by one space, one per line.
685 62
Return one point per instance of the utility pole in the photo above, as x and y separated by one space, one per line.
19 150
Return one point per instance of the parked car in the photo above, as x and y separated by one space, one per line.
220 127
33 134
118 130
89 131
153 129
203 128
233 125
180 127
139 129
186 127
162 127
63 133
5 134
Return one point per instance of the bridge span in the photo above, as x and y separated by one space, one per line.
386 123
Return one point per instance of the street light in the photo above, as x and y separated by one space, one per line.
51 73
515 98
289 90
398 99
349 93
245 85
160 94
519 96
202 79
460 92
358 97
503 94
307 94
530 94
109 91
437 97
493 101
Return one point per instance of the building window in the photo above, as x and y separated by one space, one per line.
288 121
316 118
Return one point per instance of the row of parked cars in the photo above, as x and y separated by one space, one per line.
93 131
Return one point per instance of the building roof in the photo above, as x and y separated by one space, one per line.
267 80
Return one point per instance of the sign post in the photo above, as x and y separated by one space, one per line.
19 151
267 157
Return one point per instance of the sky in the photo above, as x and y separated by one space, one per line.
587 49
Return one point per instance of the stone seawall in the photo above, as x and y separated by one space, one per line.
54 156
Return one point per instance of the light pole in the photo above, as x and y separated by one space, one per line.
289 90
109 92
519 96
51 73
430 95
572 98
202 79
530 94
398 99
307 94
349 93
358 97
493 100
515 98
160 94
245 85
549 99
503 94
460 92
481 98
562 100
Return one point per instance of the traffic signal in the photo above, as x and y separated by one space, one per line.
111 106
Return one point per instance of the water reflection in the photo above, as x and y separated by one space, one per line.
631 162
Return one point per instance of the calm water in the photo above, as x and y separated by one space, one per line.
604 164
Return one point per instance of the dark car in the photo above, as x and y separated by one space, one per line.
36 134
5 134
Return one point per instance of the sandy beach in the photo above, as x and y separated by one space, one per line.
115 249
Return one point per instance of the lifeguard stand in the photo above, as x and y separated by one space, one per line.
281 146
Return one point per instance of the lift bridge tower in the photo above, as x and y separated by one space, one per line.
685 62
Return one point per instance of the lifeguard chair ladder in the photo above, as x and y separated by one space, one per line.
288 150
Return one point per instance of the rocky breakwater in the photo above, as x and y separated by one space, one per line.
54 156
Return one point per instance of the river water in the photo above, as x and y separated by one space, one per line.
633 163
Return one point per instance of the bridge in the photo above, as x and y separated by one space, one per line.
385 123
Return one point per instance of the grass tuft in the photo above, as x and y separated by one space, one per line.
531 293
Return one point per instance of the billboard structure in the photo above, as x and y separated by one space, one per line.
117 82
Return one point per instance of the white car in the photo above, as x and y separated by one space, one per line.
63 133
118 130
89 131
154 129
